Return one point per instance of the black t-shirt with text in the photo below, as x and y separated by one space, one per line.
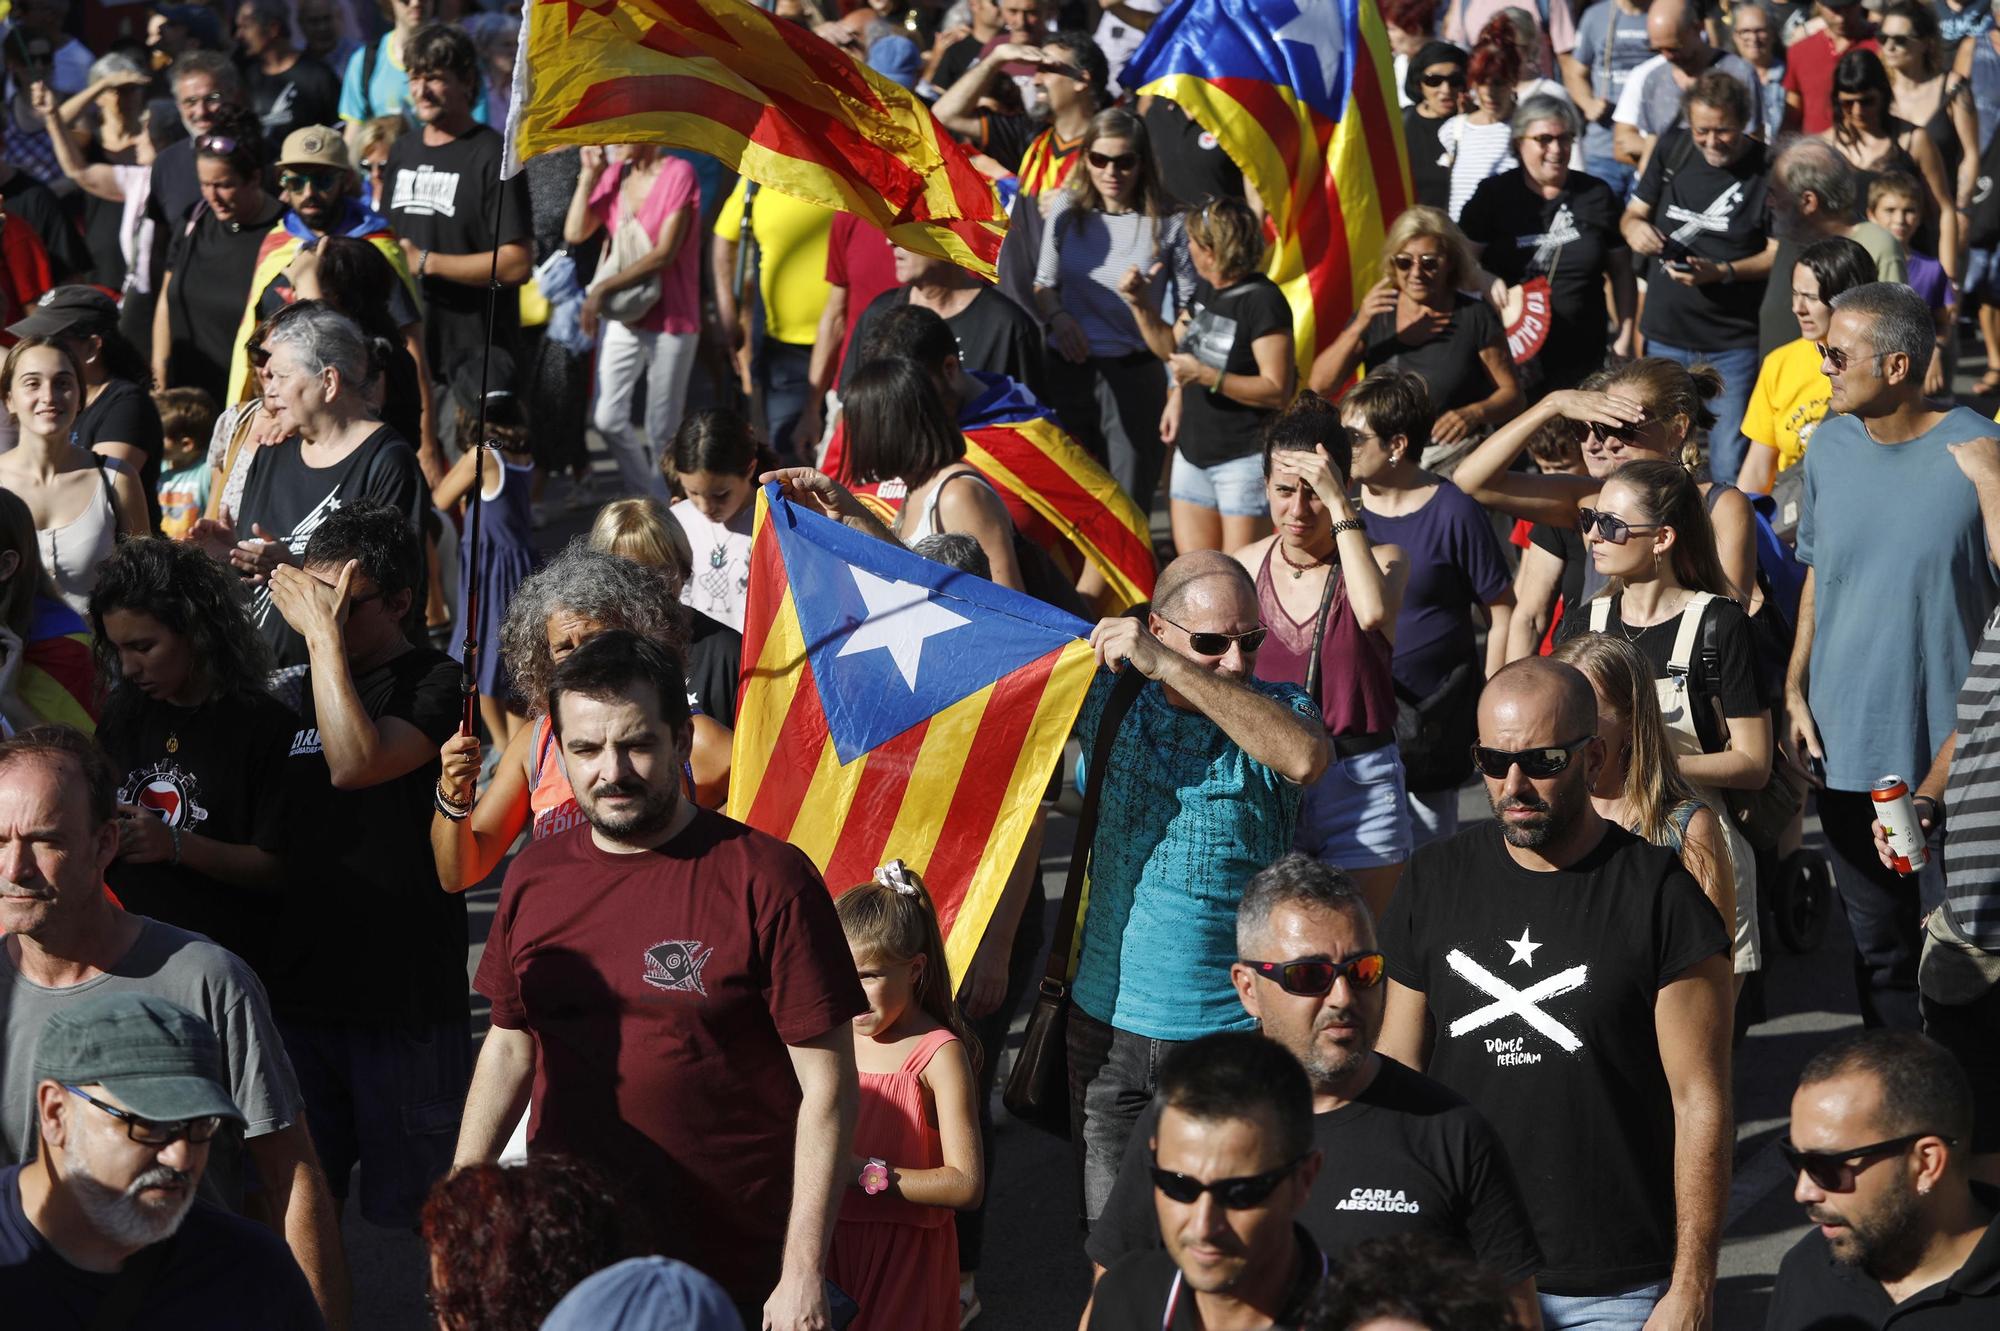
215 771
369 937
306 94
1569 240
1542 987
1719 213
1407 1157
289 500
441 199
1223 328
1449 362
995 336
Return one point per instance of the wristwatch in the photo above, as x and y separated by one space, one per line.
875 1175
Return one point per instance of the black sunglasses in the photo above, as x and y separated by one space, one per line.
1611 529
1443 80
298 182
1235 1194
1895 41
1621 435
1535 763
153 1132
1551 140
1430 263
1835 1171
1217 644
1106 162
1315 977
1839 359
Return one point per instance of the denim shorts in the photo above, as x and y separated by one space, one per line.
1356 816
1234 489
1601 1312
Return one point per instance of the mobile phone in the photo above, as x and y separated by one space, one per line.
1678 266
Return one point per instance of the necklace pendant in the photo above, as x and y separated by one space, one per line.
1298 573
173 743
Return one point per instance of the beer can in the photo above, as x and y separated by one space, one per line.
1897 813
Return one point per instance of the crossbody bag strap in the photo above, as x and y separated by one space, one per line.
1056 979
1319 629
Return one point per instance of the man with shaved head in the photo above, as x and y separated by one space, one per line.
1201 790
1578 985
1650 103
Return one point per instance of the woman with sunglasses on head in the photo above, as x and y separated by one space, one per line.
1328 597
1419 320
1432 87
213 259
1233 369
1792 392
1541 219
1649 534
1640 786
1108 386
1701 212
1876 142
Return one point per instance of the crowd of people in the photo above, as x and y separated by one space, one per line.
1637 491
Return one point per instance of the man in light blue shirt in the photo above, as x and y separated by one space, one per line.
1201 791
1898 585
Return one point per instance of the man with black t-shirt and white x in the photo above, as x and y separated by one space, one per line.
1403 1154
1579 983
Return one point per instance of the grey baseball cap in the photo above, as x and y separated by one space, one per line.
158 1059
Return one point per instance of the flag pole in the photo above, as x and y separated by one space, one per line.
468 680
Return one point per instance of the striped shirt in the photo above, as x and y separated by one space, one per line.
1476 152
1972 819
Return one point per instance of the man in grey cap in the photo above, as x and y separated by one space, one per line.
68 943
102 1227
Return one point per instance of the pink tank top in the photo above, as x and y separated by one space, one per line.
1357 694
893 1124
551 803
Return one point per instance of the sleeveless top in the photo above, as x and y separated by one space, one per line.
1985 83
891 1123
928 523
73 552
1357 694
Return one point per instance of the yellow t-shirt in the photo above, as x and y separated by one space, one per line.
1790 398
791 258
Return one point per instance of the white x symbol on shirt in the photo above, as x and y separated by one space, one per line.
1517 1002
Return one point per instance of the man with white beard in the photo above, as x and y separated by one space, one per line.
102 1227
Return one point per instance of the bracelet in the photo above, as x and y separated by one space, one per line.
177 843
1348 524
423 262
1216 387
874 1176
1729 270
1937 811
448 806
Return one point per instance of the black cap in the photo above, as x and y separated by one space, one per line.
502 406
67 309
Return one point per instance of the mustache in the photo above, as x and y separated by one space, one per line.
160 1176
1820 1216
1532 804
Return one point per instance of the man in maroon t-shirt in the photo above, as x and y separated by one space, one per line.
675 990
1809 63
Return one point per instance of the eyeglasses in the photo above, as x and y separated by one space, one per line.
206 99
1551 140
1235 1194
153 1132
1836 1171
1313 978
1217 644
1839 359
1429 264
298 182
1106 162
221 145
1443 80
1895 41
1758 34
1611 529
1536 763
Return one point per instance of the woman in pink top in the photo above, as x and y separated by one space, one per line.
637 183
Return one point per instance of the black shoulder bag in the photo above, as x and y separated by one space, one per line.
1038 1088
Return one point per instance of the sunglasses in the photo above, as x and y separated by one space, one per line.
1836 1171
1235 1194
1106 162
1217 644
219 144
1621 436
298 182
1551 140
1839 359
155 1132
1895 41
1537 764
1314 978
1443 80
1428 263
1611 529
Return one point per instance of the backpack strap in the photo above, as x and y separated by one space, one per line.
1692 620
371 55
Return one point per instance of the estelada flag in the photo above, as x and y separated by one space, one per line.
1059 496
896 708
767 97
1300 94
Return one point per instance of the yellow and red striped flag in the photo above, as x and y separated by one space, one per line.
1301 95
766 97
895 708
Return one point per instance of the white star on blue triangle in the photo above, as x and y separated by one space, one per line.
893 638
1320 27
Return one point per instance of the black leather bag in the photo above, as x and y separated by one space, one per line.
1436 732
1037 1090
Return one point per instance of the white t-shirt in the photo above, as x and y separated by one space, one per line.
719 582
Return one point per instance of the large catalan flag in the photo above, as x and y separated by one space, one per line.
764 95
894 708
1301 95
